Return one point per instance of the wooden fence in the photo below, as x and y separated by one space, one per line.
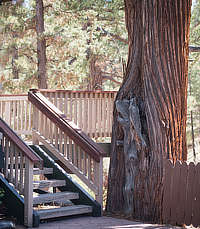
181 200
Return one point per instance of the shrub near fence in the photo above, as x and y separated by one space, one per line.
181 200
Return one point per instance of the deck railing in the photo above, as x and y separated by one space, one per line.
18 167
90 110
16 111
69 144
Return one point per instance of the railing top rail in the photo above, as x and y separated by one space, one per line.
66 125
75 91
12 95
28 152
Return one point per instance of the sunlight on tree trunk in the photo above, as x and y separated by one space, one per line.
151 106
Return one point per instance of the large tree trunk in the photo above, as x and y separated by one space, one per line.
41 45
150 109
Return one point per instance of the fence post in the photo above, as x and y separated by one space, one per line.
28 193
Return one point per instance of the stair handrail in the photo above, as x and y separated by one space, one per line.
22 179
60 119
28 152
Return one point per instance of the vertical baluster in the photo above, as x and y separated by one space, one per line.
76 95
90 114
96 115
85 123
79 158
66 108
100 115
46 131
70 153
103 115
7 112
84 163
16 153
18 115
109 113
71 106
25 115
61 141
80 112
56 136
6 151
89 168
11 175
14 115
75 154
42 128
65 149
22 115
56 99
30 116
21 176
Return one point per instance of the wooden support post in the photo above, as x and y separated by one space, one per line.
28 194
35 125
99 181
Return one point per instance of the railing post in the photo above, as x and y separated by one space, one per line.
99 181
28 193
35 125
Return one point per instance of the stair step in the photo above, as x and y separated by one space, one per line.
37 171
64 211
53 197
48 184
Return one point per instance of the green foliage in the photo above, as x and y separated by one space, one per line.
74 32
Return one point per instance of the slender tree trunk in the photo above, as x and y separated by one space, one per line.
150 109
41 45
14 59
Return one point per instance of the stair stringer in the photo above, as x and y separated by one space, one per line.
15 203
71 185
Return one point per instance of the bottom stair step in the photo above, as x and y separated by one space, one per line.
59 196
64 211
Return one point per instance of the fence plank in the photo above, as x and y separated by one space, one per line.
196 206
182 184
190 194
175 193
167 191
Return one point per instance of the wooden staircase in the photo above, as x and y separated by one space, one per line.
58 204
42 174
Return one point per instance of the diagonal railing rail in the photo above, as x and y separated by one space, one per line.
19 160
74 150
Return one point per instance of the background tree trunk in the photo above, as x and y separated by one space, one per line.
15 71
41 45
95 74
151 108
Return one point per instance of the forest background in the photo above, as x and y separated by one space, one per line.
86 49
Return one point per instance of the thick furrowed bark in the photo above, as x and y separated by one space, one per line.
156 79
